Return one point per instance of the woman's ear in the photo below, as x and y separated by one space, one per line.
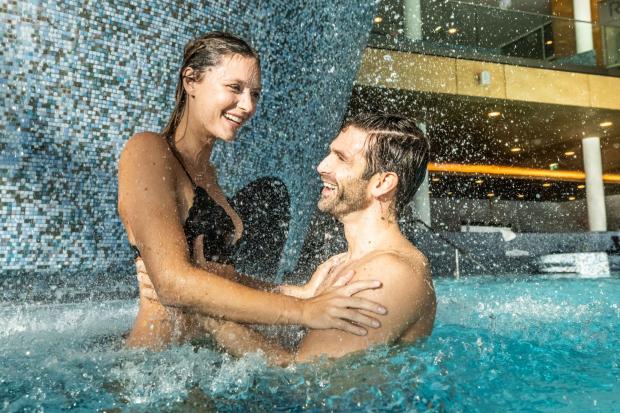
189 81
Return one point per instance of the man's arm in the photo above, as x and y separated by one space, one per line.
407 291
239 340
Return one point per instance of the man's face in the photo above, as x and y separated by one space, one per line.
344 191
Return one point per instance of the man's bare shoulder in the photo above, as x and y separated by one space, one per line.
407 292
408 263
405 275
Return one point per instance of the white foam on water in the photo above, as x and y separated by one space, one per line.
147 377
43 321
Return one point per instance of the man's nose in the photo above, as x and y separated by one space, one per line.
322 167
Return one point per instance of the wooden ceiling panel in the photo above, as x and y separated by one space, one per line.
461 130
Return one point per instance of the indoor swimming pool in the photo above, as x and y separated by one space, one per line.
531 344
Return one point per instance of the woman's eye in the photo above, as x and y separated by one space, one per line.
235 88
256 95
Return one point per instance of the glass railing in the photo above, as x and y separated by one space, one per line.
455 28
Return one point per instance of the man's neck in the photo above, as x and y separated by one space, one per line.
369 230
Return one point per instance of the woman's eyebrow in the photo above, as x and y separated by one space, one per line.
243 83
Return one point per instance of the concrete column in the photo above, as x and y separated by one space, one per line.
413 19
595 191
583 27
422 199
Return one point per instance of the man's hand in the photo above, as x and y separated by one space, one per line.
147 289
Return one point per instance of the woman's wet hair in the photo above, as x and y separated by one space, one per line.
200 54
394 144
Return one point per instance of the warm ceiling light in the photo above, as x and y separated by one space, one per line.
435 179
549 42
571 198
547 184
569 153
449 192
478 181
494 114
378 19
490 194
438 28
520 196
515 150
452 30
581 186
605 124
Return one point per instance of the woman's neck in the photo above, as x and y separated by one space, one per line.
194 145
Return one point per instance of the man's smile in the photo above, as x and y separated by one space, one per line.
328 189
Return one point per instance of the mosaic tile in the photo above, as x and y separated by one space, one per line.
77 79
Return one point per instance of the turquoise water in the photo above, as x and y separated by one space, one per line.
499 345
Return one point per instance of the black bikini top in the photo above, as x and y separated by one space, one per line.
206 217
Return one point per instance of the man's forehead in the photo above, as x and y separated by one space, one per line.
350 140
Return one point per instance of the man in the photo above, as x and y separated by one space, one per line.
372 170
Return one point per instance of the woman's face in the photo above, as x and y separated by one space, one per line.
226 96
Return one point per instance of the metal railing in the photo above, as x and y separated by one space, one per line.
491 33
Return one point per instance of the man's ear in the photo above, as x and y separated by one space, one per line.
189 81
384 184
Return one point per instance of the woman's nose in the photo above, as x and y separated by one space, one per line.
247 102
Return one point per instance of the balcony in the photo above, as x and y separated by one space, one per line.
486 33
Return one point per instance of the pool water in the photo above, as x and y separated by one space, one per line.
499 345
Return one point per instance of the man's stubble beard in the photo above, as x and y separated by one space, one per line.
351 197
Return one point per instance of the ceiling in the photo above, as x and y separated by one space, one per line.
461 131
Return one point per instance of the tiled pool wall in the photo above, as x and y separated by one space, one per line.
77 79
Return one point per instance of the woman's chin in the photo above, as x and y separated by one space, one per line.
225 135
228 138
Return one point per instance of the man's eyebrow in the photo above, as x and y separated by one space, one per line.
340 153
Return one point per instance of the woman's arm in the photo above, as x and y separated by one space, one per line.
148 207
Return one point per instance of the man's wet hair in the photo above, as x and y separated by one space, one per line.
394 144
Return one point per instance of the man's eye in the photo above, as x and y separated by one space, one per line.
256 95
235 88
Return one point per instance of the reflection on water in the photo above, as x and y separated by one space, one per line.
499 345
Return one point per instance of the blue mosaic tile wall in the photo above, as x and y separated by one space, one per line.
77 79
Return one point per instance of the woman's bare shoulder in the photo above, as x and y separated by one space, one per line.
145 154
145 173
146 149
140 141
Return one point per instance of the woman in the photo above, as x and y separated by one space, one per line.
182 227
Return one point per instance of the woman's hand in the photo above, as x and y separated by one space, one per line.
322 279
336 308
